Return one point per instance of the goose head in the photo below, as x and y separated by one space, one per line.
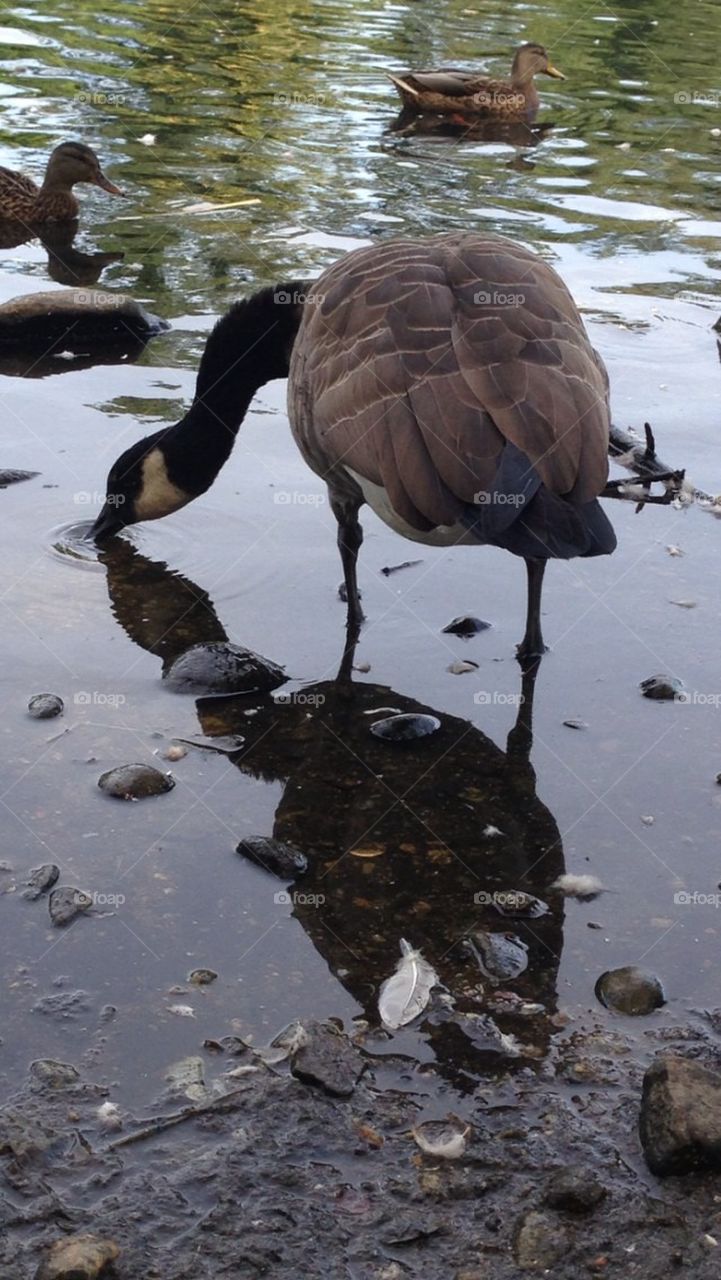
532 60
144 483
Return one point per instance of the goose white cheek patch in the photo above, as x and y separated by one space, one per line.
158 495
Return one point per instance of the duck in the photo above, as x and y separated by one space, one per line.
466 93
21 200
448 383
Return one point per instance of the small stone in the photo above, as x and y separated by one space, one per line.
176 751
77 1258
461 666
576 724
466 626
501 957
135 782
680 1120
54 1075
327 1058
662 688
40 880
574 1189
405 727
202 977
630 990
44 706
280 859
540 1241
67 903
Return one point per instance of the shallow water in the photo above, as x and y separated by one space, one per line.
253 103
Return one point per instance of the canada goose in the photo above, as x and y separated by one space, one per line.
468 93
23 201
449 383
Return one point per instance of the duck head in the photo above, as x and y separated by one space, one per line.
532 60
73 162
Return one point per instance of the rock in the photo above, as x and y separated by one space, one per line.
87 316
40 880
222 667
202 977
54 1075
327 1058
67 903
280 859
44 706
63 1006
501 957
15 477
539 1241
630 990
664 688
405 728
680 1120
465 626
77 1258
135 782
232 1045
575 1189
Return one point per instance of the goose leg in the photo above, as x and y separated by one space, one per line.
532 646
350 537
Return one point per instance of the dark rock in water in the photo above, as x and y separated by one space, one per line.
466 626
663 688
86 316
40 880
77 1258
66 903
53 1075
517 904
232 1045
222 667
135 782
575 1189
680 1120
405 728
43 706
500 956
629 990
327 1059
539 1241
202 977
14 477
282 860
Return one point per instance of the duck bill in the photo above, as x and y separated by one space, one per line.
106 526
101 181
553 72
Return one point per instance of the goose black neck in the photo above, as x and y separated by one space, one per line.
249 346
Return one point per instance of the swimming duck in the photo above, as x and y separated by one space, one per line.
447 382
451 92
23 201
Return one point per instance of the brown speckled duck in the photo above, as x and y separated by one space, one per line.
22 200
466 93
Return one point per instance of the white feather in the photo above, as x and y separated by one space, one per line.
405 994
578 886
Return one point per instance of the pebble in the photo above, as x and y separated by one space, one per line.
445 1139
280 859
575 1189
40 880
461 666
44 706
405 728
175 752
67 903
680 1119
135 782
81 1257
466 626
54 1075
630 990
326 1058
501 957
202 977
661 687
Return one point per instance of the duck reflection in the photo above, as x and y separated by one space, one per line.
515 133
66 264
423 841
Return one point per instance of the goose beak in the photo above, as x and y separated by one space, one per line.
106 525
553 72
101 181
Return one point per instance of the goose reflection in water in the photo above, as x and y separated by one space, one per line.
420 840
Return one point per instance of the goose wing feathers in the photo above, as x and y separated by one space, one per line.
416 362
